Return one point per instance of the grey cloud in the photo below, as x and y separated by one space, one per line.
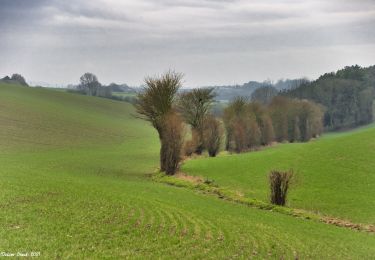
139 36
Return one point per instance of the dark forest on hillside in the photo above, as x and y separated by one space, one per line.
347 96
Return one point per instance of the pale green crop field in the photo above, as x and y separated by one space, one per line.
124 94
74 183
334 175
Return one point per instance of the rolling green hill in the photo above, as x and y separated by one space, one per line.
74 183
335 175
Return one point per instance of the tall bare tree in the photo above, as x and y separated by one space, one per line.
234 124
89 82
213 134
155 102
194 106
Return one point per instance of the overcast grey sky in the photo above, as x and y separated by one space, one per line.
210 41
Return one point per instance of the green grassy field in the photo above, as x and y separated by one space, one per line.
124 94
74 183
334 175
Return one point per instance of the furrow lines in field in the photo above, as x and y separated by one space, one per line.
188 243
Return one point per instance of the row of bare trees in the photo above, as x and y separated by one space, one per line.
248 125
296 120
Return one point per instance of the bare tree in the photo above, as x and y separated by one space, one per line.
89 83
234 125
253 134
268 134
239 137
156 102
194 106
278 110
213 134
296 130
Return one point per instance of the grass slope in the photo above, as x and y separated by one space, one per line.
334 175
72 181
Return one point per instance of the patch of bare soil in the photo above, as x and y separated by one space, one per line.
189 178
348 224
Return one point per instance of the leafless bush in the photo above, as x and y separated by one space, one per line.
279 184
213 133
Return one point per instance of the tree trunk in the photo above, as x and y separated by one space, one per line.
198 136
163 151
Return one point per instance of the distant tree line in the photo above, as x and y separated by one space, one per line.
90 85
15 79
347 96
229 92
264 94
